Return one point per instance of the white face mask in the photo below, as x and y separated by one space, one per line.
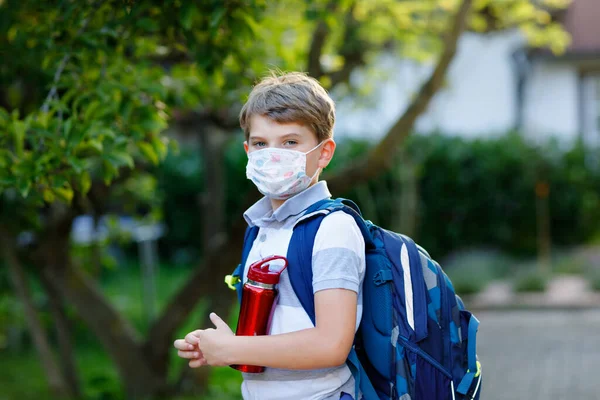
279 173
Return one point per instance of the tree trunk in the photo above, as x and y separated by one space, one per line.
207 282
115 333
63 334
212 202
382 156
56 381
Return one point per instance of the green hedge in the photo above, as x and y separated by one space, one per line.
472 192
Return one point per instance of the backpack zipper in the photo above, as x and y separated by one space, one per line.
417 350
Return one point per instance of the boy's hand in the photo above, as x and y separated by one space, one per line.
191 352
213 342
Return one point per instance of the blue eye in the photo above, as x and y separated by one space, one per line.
258 144
291 143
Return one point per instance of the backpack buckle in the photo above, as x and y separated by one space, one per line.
382 276
231 281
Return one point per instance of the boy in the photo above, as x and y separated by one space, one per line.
288 123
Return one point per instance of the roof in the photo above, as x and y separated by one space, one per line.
582 21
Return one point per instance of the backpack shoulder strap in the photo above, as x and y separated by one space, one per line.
238 274
299 256
301 246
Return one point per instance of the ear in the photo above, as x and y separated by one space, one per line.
327 150
246 146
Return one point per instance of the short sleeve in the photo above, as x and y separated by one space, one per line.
338 254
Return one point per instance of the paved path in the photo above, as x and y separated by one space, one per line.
534 355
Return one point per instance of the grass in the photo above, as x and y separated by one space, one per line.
22 377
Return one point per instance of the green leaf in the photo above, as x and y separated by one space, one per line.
67 127
148 151
48 195
109 172
77 164
6 158
119 159
65 194
188 11
217 17
24 185
89 111
85 182
89 148
19 128
160 147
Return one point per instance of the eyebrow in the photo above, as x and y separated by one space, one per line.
286 136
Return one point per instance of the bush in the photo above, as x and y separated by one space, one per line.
569 264
472 192
481 192
471 271
595 283
530 280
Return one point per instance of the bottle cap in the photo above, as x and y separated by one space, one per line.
260 271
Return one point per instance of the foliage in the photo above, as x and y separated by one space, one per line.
568 265
530 279
471 271
491 180
108 93
594 279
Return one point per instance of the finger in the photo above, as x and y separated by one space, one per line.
192 338
189 354
181 344
199 362
218 322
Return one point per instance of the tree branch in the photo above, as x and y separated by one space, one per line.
353 50
318 41
56 380
382 156
63 62
316 48
206 282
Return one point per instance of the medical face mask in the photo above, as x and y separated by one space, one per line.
279 173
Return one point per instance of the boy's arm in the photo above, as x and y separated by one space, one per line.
324 346
338 264
327 345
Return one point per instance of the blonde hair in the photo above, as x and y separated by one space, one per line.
292 97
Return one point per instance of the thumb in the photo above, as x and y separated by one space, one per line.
218 322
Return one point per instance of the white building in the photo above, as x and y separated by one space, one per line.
496 84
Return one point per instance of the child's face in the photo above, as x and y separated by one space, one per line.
266 133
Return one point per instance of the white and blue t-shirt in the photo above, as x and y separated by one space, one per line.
338 262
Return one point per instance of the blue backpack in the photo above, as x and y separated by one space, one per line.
416 341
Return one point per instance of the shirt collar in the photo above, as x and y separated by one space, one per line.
261 212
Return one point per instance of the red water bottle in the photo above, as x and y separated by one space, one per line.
258 298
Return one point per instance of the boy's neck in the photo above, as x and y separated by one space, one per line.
276 203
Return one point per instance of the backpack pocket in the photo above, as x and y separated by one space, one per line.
431 380
377 318
469 386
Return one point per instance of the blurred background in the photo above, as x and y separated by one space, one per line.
471 125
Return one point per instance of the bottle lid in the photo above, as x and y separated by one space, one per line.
260 271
